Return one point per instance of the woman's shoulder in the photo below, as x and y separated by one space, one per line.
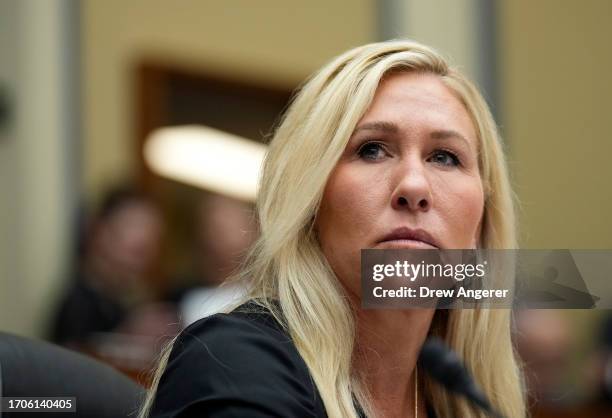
241 363
249 330
249 317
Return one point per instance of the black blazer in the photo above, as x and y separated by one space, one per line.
241 364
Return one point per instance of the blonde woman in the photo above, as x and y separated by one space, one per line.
385 147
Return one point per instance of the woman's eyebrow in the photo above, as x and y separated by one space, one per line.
448 134
377 126
391 127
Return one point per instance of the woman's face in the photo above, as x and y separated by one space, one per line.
408 178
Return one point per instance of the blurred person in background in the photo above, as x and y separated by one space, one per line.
112 291
224 229
547 344
544 342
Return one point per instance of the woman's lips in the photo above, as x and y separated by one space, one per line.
405 237
405 244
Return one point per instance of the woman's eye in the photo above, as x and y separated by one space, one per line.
445 158
371 151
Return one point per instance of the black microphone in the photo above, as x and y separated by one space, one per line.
445 366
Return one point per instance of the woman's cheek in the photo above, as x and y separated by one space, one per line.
358 200
469 208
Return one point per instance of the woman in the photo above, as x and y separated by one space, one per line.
385 147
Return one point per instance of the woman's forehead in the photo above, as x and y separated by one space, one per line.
407 100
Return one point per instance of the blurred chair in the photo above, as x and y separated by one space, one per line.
38 369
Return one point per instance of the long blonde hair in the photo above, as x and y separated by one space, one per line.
287 265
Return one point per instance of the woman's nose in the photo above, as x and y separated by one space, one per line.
412 190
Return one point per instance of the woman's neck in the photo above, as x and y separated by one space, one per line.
387 349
